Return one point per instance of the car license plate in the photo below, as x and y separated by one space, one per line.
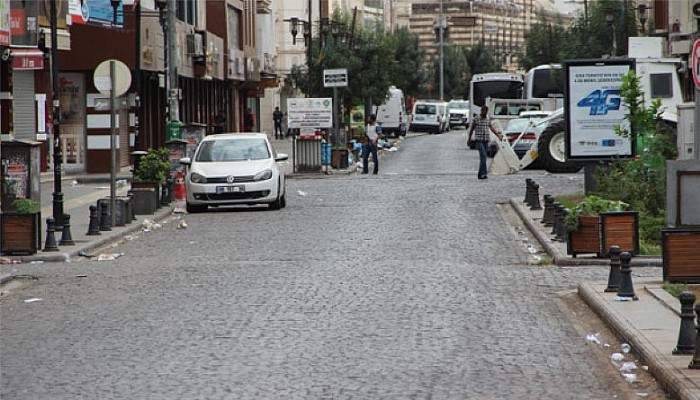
230 189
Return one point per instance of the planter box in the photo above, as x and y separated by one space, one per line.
145 201
681 254
146 185
619 229
339 158
20 233
586 239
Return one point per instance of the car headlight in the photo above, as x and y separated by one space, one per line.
263 175
197 178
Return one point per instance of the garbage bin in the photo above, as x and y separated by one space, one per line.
307 155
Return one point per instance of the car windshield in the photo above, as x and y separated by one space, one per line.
458 105
426 109
233 150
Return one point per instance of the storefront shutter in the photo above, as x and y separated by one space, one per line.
23 105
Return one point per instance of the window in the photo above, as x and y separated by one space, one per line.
186 11
425 109
234 29
661 86
233 150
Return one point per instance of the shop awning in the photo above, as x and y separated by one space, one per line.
27 59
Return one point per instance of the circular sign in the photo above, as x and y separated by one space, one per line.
695 63
696 9
103 79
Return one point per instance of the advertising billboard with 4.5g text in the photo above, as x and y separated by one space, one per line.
595 112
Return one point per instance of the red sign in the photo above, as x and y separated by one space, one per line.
25 60
18 22
695 63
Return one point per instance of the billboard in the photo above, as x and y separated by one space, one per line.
95 12
594 109
309 113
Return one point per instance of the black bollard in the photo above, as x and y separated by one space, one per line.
50 244
626 286
94 227
130 194
556 215
686 334
535 200
105 218
614 276
66 237
528 182
695 363
563 232
547 215
164 195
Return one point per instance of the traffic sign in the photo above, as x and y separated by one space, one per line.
695 63
103 81
335 77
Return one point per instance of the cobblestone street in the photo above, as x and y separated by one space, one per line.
405 285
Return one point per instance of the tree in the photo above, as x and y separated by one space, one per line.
543 45
456 72
481 60
408 72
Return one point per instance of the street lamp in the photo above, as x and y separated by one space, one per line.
293 28
115 7
610 19
642 11
56 119
162 6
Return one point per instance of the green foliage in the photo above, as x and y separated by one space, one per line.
480 59
675 289
26 206
456 72
543 44
592 205
154 166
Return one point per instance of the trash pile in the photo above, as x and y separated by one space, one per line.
626 367
7 260
149 225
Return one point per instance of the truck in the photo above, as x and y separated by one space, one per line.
391 115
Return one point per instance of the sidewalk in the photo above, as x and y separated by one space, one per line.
557 250
651 326
123 174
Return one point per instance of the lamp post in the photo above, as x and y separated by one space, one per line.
162 6
56 116
642 14
294 28
115 8
610 19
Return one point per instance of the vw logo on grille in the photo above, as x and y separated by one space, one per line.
230 179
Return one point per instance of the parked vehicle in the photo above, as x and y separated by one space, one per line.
427 117
495 85
231 169
391 115
458 111
521 132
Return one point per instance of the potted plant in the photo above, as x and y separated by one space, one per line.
150 174
339 157
20 229
584 227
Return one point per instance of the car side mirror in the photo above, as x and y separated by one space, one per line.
281 157
185 161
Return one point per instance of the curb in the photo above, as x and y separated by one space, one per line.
563 259
658 366
101 242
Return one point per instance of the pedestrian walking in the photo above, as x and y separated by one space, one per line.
480 132
277 116
372 133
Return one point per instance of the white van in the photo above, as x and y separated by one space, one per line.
428 116
391 115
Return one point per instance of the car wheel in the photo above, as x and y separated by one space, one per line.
551 150
195 208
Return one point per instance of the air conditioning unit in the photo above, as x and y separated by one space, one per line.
195 45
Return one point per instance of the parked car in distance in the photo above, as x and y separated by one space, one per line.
426 117
458 111
235 168
514 127
391 115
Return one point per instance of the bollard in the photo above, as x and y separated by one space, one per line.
626 286
686 334
560 234
50 244
556 211
535 200
695 363
529 193
94 227
614 276
105 218
130 194
547 215
66 237
528 182
164 195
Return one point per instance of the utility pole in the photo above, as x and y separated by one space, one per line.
173 105
441 26
56 114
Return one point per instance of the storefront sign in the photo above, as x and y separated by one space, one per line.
27 60
23 23
594 110
309 113
4 23
98 12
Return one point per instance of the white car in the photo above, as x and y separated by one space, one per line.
229 169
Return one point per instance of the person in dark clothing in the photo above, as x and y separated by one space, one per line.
219 123
480 128
371 147
277 116
248 121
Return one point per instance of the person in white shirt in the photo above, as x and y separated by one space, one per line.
372 132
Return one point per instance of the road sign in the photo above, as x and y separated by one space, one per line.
695 63
335 77
122 78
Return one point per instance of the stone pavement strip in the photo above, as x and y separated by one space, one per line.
557 250
651 327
